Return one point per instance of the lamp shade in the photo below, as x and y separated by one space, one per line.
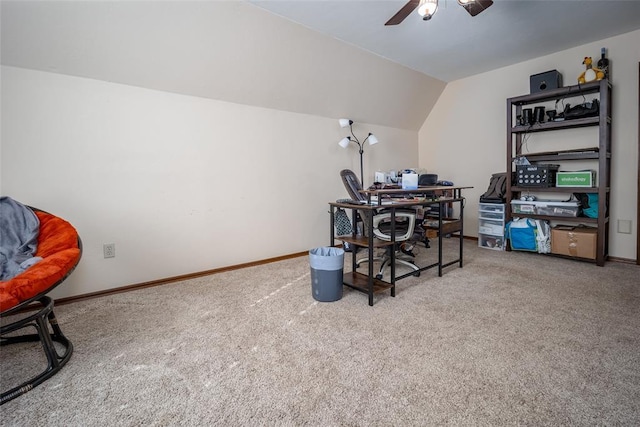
345 123
372 139
344 142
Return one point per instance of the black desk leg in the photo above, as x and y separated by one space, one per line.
370 278
393 251
461 229
440 239
332 235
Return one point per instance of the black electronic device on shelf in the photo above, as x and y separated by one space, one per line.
548 80
541 175
586 109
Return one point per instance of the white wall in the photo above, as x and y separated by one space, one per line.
180 184
225 50
464 137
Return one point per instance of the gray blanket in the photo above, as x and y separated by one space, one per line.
19 228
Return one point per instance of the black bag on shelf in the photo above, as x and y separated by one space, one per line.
496 193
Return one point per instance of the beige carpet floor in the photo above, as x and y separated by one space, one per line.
510 339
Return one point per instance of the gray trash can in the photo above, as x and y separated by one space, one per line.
327 264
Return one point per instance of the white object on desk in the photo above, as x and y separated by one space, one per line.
409 181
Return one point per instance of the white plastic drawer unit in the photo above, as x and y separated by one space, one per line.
491 207
491 215
491 211
491 226
495 243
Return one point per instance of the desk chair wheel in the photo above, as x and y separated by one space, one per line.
423 240
366 260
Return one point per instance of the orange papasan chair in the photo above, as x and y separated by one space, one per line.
60 249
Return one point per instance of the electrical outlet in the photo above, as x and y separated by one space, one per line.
109 250
624 226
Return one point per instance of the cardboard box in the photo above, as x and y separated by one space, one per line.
431 233
576 179
579 242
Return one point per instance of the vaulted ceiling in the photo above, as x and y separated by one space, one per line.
224 50
453 44
325 58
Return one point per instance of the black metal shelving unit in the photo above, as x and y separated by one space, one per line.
600 154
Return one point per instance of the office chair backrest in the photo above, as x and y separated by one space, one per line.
352 184
404 227
353 187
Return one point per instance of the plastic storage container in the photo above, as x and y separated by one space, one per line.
546 207
327 264
491 226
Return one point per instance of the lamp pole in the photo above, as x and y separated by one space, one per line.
353 138
361 152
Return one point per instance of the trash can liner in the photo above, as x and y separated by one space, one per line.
327 258
326 273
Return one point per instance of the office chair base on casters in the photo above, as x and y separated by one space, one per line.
366 260
415 274
409 264
41 320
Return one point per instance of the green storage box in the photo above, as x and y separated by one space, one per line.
576 179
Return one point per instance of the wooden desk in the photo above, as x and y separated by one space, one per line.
392 199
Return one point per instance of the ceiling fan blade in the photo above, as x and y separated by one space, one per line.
477 6
403 13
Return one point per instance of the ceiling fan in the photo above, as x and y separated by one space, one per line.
426 9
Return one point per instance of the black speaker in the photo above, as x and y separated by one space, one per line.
545 81
538 114
428 179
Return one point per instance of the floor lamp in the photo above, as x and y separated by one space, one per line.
344 142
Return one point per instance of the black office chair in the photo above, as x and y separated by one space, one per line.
353 187
405 222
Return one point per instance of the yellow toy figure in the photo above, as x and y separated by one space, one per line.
591 73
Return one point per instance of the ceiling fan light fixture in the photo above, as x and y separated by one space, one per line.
474 7
427 8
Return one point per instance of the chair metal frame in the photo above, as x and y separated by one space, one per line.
403 234
41 320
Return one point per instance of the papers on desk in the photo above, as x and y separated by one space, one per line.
374 201
393 200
